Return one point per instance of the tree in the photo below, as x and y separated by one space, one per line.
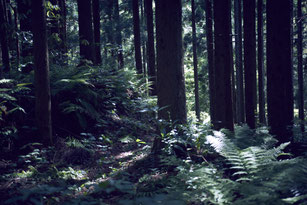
196 90
261 88
96 21
249 26
137 37
118 36
300 63
25 13
210 56
170 75
3 40
86 34
240 106
279 69
222 59
41 63
151 56
63 29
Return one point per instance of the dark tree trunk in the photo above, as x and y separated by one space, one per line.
261 88
240 106
233 77
86 34
249 27
3 39
25 13
63 35
279 69
143 40
171 86
195 62
16 36
222 59
210 55
41 63
300 64
96 20
118 36
151 56
137 37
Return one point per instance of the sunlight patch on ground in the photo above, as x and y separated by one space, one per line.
123 155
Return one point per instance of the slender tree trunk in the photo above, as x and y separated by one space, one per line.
143 40
279 69
261 88
3 39
210 56
118 36
151 56
86 33
16 36
195 62
240 106
41 62
96 20
300 64
171 86
249 27
137 37
24 11
63 35
233 77
222 57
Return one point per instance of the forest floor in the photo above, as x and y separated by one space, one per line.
76 172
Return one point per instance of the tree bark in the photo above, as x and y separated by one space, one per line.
151 56
63 30
41 63
210 56
25 13
222 57
300 64
96 21
137 37
171 86
118 36
195 62
249 27
279 69
3 39
261 83
86 34
240 105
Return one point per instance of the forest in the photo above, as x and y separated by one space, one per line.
145 102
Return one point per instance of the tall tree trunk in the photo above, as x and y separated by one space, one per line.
41 62
143 40
240 106
171 86
261 88
151 56
195 62
3 39
210 56
25 13
118 36
249 27
96 20
137 37
16 36
63 35
222 57
86 34
279 69
300 64
233 77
